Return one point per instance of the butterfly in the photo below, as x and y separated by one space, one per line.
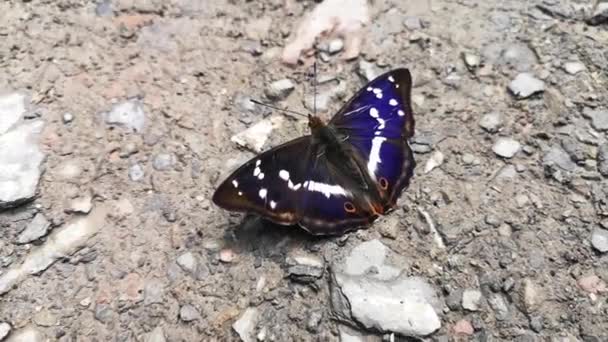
344 174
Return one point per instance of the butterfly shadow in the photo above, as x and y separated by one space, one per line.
267 240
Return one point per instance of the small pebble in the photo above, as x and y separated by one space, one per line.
471 60
491 122
463 327
574 68
188 313
471 299
136 172
67 118
599 239
226 255
506 147
5 329
279 90
335 46
163 162
592 284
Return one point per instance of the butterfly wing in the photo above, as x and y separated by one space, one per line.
377 122
290 185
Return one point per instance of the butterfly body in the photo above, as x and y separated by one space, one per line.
343 175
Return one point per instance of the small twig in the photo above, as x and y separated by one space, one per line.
429 221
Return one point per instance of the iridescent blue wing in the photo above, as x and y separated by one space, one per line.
377 122
292 184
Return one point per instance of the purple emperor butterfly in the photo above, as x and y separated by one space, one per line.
343 175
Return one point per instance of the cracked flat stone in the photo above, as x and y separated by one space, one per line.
525 85
20 161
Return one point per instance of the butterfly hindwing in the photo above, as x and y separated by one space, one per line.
377 122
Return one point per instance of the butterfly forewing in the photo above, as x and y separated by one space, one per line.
268 184
377 122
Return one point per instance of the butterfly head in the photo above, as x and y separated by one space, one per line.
315 123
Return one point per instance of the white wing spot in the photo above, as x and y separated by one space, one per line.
396 85
392 102
262 193
261 176
256 171
377 90
240 193
374 156
390 78
292 186
235 183
273 204
379 95
381 122
369 88
284 174
373 112
258 162
326 189
401 113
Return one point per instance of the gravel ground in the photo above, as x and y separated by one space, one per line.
119 119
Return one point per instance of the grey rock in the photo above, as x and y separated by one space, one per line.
471 299
279 90
36 229
103 8
506 147
163 161
187 262
602 159
404 305
136 172
454 300
491 122
27 334
520 56
45 318
598 117
536 323
367 70
529 296
245 325
305 267
188 313
499 305
129 114
20 161
153 292
104 313
314 319
600 16
5 329
369 257
325 98
412 23
574 68
525 85
556 156
575 150
599 239
156 335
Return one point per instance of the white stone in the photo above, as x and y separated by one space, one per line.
245 325
506 147
435 160
27 334
61 243
156 335
187 262
5 328
255 136
129 114
279 90
20 160
81 205
368 255
574 68
34 230
12 108
471 299
525 85
599 239
403 305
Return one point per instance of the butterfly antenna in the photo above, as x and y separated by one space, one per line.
314 86
285 110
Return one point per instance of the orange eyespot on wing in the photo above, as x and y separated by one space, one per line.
383 183
349 207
